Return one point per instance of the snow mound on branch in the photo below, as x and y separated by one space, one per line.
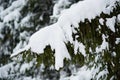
53 36
111 23
60 33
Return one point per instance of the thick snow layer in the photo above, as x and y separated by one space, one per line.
58 34
111 23
53 36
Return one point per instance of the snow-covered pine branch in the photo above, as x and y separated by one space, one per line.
58 34
82 45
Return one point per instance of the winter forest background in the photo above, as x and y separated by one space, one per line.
59 39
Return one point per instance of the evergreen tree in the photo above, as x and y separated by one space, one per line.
95 47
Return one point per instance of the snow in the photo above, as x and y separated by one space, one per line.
55 38
18 46
59 7
16 4
80 47
117 40
1 26
20 50
101 74
114 54
25 66
101 20
118 18
58 34
1 8
11 17
4 70
111 23
12 13
82 74
103 46
25 21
